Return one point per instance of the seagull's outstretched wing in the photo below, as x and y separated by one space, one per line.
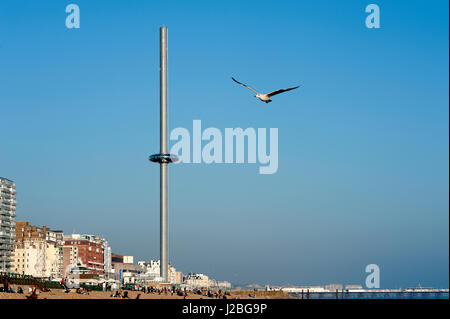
281 91
245 85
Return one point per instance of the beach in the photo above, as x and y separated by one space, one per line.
60 294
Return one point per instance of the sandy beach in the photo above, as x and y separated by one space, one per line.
60 294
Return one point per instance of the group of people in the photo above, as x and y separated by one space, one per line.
116 292
83 291
121 294
110 287
6 287
67 283
218 294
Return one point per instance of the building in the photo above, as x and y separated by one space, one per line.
304 289
116 259
30 250
354 288
130 276
175 277
85 252
151 268
29 258
334 287
7 222
70 258
55 253
107 259
197 281
128 260
215 284
38 251
151 272
124 269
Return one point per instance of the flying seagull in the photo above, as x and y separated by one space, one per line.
265 97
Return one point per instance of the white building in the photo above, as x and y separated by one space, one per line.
151 272
54 254
29 258
107 259
305 289
151 267
197 281
354 288
38 258
215 284
334 287
38 251
128 259
7 223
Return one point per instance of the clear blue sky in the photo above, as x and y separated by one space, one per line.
363 145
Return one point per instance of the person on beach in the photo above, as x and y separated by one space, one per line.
34 294
5 284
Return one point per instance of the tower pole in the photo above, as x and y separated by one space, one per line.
164 159
164 249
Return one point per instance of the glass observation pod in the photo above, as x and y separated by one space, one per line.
163 158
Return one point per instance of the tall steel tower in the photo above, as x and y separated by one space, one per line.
163 158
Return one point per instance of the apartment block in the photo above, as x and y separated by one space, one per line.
7 222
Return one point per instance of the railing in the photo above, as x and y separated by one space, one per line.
17 279
92 287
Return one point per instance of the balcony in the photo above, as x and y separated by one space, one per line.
6 207
6 223
7 234
9 201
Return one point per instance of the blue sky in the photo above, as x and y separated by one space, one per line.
363 144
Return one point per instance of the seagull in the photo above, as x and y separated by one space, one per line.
265 97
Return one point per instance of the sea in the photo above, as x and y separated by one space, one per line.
373 295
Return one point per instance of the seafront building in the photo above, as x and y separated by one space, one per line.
197 280
42 252
55 253
107 260
29 249
88 253
124 270
7 222
354 288
37 251
215 284
151 272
